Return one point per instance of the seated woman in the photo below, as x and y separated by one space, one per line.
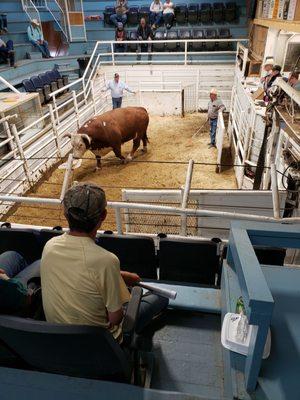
120 36
168 13
156 13
7 52
15 287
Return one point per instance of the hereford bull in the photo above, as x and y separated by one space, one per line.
109 131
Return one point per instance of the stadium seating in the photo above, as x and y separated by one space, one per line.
205 15
224 33
24 241
158 35
188 261
46 80
144 13
58 76
29 88
74 350
53 78
192 13
108 12
184 34
133 15
230 12
198 34
218 12
181 13
136 254
38 84
171 35
132 36
266 255
210 34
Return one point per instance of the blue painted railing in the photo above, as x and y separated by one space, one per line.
257 297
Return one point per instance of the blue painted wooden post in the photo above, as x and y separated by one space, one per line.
257 297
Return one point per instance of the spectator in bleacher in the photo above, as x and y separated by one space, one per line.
7 52
120 36
294 80
144 32
168 13
3 24
156 13
214 106
117 88
267 69
36 38
275 73
82 283
121 10
15 287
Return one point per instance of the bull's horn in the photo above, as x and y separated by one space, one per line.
87 137
69 135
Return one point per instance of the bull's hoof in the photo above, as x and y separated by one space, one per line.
144 149
128 158
98 169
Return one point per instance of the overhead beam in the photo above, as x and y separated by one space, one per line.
292 26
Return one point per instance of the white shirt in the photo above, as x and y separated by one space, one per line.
2 43
156 7
117 89
168 8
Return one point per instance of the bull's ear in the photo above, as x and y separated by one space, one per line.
87 140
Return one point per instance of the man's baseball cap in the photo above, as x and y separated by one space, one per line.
120 25
213 91
85 202
276 68
116 75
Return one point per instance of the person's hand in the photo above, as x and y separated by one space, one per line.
130 278
3 275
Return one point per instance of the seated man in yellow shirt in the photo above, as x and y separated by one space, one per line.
81 282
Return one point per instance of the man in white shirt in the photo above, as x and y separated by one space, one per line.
214 106
117 88
168 13
156 13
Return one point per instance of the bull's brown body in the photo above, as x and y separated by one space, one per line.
111 129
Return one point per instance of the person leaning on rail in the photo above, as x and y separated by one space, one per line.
214 106
82 282
117 88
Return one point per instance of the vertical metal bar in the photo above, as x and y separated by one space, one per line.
197 89
112 54
275 193
9 135
118 220
55 108
22 155
93 96
185 52
54 127
185 196
75 106
66 181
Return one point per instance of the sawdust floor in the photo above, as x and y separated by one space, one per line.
170 140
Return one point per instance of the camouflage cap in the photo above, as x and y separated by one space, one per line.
85 202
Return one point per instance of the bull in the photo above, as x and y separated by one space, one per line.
107 132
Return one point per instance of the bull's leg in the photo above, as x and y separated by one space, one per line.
145 141
117 151
98 162
135 146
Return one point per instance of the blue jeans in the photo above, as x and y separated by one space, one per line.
3 21
8 53
15 266
115 18
43 48
213 129
156 18
151 305
117 102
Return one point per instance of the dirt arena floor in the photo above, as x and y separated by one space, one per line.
170 140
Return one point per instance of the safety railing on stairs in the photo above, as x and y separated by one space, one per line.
31 10
59 15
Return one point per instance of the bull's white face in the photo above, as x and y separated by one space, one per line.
79 147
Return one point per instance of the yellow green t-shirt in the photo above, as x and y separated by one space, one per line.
81 281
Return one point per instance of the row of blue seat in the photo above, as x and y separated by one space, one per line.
197 262
45 83
187 34
192 13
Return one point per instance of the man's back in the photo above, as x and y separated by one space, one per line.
81 282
